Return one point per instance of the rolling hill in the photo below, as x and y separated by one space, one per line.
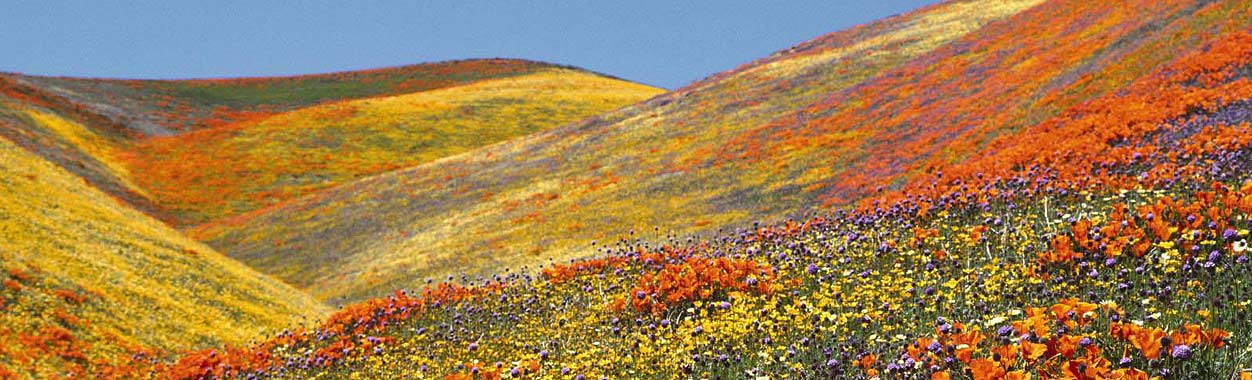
99 172
219 172
205 149
975 190
1108 239
166 107
89 280
548 195
826 123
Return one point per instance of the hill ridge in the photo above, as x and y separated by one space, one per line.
330 73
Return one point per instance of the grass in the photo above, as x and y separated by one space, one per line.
1109 242
220 172
164 107
813 127
90 280
93 279
975 190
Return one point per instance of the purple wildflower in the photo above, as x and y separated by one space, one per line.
1004 331
1181 351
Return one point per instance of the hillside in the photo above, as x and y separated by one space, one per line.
1108 241
88 280
96 170
975 190
78 140
206 149
166 107
823 124
548 195
219 172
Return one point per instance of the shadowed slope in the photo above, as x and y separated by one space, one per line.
164 107
89 280
84 143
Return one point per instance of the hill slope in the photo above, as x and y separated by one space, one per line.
166 107
74 138
89 280
91 277
825 123
219 172
1107 242
205 149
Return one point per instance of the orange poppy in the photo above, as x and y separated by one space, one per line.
1033 351
1128 374
1148 340
1067 345
971 338
1008 354
1073 313
1017 375
964 353
1122 330
918 349
986 369
1099 368
866 361
1217 337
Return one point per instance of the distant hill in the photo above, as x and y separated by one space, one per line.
218 172
165 107
205 149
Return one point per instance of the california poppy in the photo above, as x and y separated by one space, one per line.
986 369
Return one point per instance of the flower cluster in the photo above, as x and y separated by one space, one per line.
697 278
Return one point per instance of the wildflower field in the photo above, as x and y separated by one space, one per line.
216 173
86 280
92 270
976 190
658 163
1118 249
812 128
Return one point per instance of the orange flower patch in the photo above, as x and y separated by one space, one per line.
698 278
1077 352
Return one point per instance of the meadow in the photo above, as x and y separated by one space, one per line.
814 127
95 272
1114 247
88 281
216 173
549 194
975 190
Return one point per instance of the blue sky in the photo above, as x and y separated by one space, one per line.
666 43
